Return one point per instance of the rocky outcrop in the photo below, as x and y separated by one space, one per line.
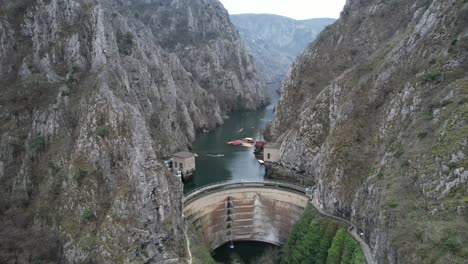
375 113
275 41
91 101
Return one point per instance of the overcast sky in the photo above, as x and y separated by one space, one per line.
297 9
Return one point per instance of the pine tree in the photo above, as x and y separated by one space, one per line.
336 250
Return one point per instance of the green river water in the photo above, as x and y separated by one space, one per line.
218 161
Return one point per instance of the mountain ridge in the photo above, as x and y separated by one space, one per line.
275 41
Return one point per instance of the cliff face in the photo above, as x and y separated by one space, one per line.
275 41
200 33
91 100
375 113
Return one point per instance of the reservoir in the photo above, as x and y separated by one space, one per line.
218 161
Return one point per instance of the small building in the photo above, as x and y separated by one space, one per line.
271 152
183 164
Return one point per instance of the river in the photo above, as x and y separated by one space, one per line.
218 161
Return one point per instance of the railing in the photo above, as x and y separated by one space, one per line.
241 184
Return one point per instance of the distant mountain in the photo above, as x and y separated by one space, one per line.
275 41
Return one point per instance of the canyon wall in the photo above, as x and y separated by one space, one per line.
375 114
94 95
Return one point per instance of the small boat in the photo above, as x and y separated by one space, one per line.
247 145
235 142
240 130
249 140
261 162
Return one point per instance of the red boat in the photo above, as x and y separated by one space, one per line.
235 142
259 143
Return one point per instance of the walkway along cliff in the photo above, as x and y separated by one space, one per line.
375 113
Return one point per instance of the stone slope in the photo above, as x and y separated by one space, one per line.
275 41
90 104
374 113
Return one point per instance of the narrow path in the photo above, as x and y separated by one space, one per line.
188 244
351 230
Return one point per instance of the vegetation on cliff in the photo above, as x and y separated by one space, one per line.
319 240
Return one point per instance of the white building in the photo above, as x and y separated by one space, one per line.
271 152
183 163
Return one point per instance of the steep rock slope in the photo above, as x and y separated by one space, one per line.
275 41
201 34
375 114
89 104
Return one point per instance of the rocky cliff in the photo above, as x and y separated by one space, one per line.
200 33
375 114
94 94
275 41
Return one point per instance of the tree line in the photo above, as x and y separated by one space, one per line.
316 240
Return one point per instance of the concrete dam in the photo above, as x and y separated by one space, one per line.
245 211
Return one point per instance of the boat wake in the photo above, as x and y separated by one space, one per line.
215 155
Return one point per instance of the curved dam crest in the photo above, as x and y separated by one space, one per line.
245 211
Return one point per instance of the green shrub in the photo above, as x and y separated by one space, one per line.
53 168
80 175
452 165
422 134
451 245
38 144
102 131
405 164
125 43
390 204
100 119
87 215
432 76
446 102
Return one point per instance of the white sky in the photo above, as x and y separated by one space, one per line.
297 9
